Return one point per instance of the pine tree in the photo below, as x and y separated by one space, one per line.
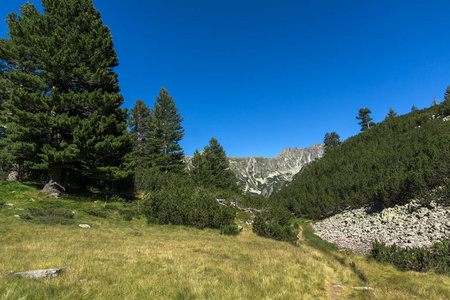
63 112
365 118
164 134
391 113
196 170
414 108
137 123
5 89
211 168
331 140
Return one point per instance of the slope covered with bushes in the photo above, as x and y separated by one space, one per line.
398 159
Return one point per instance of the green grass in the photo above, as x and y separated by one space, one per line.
118 259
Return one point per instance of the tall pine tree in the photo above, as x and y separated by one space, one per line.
331 140
164 134
392 113
365 118
137 123
211 167
63 112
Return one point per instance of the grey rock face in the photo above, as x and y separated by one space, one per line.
266 176
409 225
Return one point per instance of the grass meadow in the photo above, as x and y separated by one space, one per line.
119 259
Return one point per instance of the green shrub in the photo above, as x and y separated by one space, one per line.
96 212
437 258
51 216
184 207
25 216
231 229
275 224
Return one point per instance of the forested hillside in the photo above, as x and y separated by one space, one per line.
399 159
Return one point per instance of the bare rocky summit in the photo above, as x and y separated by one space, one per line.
266 176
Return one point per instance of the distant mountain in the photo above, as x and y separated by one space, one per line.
265 176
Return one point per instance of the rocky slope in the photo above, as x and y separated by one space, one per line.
265 176
410 225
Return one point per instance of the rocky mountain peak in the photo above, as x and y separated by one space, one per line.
265 176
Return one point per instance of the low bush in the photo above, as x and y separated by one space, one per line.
50 216
275 224
187 207
231 229
437 258
96 212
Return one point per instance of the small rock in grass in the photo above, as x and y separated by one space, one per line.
84 225
9 204
17 216
37 274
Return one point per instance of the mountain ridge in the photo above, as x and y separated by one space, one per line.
258 175
265 176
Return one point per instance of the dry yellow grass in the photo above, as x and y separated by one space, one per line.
116 259
122 260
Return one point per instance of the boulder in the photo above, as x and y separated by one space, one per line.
53 188
38 274
13 176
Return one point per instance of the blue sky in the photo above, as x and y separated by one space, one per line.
263 75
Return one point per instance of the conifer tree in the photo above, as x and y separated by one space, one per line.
195 171
137 123
211 167
365 118
63 111
414 108
164 134
331 140
391 113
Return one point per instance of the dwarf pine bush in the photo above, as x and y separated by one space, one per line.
437 258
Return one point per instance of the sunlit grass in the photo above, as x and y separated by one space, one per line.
116 259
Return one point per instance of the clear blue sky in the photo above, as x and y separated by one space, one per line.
263 75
